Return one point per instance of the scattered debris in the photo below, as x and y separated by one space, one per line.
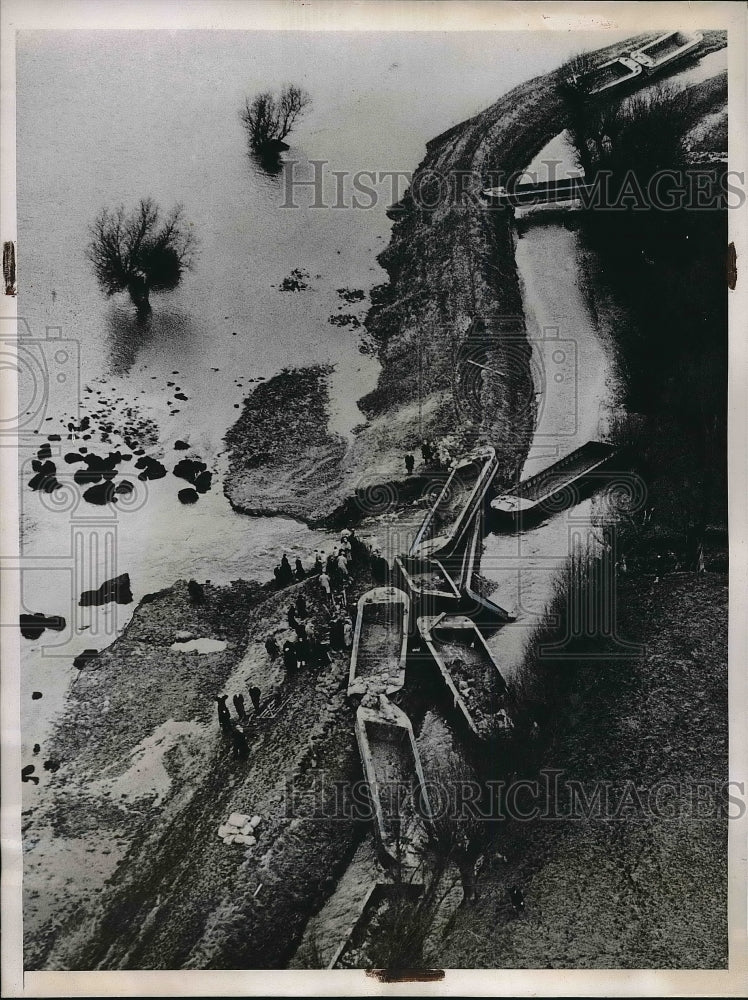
240 829
296 281
345 319
351 295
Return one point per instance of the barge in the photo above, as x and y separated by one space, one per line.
557 486
427 580
612 74
393 772
474 603
667 49
470 672
380 642
460 499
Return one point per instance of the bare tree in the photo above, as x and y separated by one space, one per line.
269 118
140 252
574 87
643 134
573 78
459 833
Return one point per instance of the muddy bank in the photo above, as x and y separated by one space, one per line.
127 867
282 458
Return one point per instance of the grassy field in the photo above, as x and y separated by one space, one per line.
635 890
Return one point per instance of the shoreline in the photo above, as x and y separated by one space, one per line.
185 809
447 267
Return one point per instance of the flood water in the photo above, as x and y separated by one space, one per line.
576 385
106 118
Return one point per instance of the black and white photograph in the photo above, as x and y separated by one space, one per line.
366 554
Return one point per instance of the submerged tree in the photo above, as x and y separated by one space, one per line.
268 118
140 252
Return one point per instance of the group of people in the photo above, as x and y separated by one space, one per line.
333 569
341 632
232 727
312 644
435 456
285 574
313 641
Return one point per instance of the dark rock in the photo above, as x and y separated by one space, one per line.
152 469
351 294
45 478
203 482
296 281
27 772
124 487
33 625
117 590
52 764
180 446
53 437
188 495
85 657
37 749
73 456
98 467
83 476
189 469
36 695
196 591
345 319
44 452
102 494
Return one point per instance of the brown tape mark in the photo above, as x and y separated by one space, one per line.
406 975
732 267
9 267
